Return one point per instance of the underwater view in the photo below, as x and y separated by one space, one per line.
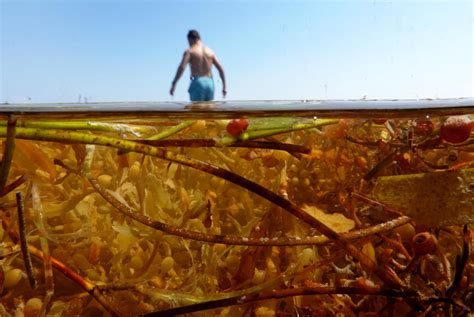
277 209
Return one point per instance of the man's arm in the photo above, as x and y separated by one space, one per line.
179 72
219 67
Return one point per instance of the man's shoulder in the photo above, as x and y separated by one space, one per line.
208 50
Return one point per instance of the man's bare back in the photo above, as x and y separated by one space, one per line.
201 59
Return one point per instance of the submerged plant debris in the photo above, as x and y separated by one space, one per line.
236 216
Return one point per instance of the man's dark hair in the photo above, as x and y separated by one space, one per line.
194 35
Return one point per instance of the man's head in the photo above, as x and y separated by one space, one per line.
193 37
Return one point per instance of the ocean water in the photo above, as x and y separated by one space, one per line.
268 208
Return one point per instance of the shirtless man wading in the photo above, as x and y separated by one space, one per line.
201 59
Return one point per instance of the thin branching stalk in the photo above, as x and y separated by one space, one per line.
375 203
88 286
15 184
78 137
24 240
291 148
294 154
281 293
431 165
362 142
8 151
386 161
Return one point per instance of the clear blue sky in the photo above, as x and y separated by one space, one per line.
54 51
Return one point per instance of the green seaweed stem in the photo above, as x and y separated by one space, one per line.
171 131
262 133
81 125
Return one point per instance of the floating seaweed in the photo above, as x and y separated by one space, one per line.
237 214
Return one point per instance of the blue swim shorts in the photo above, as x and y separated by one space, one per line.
201 89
